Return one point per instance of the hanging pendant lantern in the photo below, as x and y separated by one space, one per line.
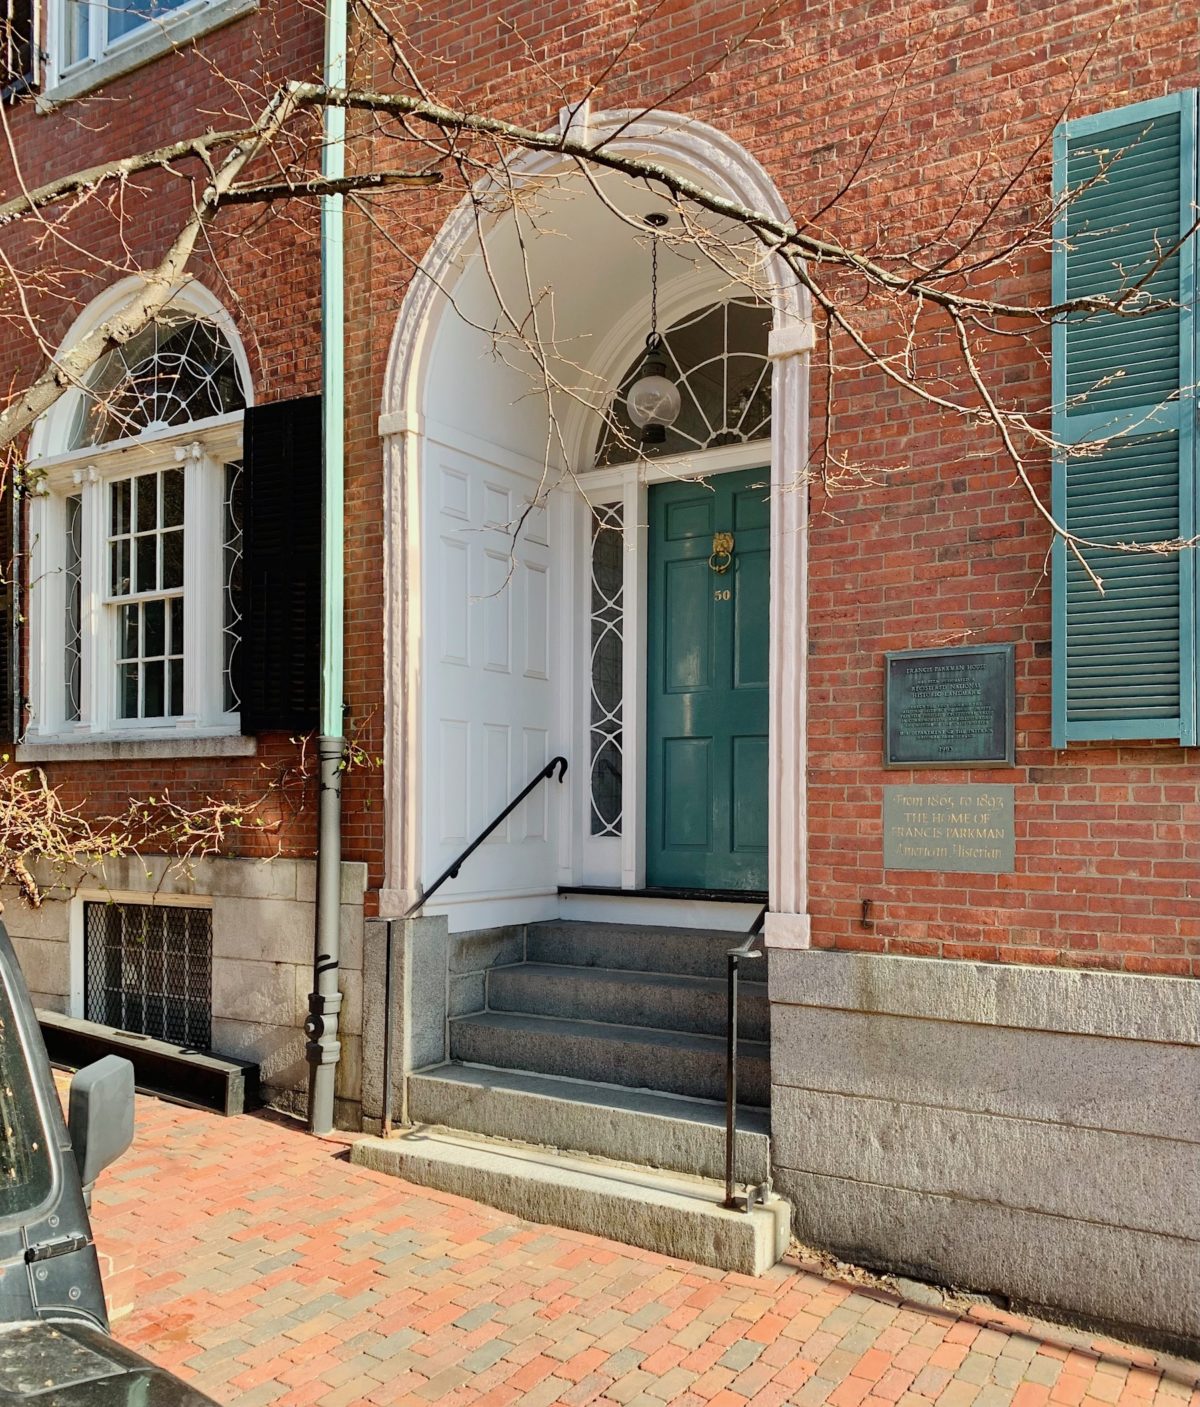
653 400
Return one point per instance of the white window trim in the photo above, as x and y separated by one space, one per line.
203 448
142 45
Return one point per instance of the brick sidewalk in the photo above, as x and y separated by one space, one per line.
272 1271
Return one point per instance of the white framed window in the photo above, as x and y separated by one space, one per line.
136 540
90 30
89 44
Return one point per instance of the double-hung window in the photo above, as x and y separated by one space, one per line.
90 44
89 31
1125 405
135 599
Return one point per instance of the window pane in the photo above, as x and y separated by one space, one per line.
147 563
154 699
172 559
154 628
147 502
172 498
127 648
176 688
120 568
129 690
120 508
76 45
176 647
25 1170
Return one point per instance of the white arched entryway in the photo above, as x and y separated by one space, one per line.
484 625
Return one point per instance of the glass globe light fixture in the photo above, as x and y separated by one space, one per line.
653 400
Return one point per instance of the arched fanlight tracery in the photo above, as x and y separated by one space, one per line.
177 370
717 357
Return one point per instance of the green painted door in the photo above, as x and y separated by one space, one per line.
706 755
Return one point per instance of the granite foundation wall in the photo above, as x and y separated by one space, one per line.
263 915
1030 1132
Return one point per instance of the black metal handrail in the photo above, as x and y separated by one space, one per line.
734 957
556 764
451 870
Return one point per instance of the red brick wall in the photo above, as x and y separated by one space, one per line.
937 544
264 268
945 105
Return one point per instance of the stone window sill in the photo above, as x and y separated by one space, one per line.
132 749
159 37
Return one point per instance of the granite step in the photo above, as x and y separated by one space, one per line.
669 1001
666 1131
638 1057
694 952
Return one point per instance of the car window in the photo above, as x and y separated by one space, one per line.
25 1168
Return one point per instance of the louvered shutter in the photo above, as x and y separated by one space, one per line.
1124 398
279 657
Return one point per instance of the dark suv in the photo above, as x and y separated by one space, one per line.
55 1350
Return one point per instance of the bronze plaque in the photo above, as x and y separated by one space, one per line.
967 829
950 708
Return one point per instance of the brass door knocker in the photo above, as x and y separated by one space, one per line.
722 553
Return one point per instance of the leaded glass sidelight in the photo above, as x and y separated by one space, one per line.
608 631
73 625
177 370
231 620
718 359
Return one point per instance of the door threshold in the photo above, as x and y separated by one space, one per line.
709 896
722 909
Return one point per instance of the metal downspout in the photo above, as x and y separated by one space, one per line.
324 1003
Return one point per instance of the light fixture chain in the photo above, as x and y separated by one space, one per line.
654 285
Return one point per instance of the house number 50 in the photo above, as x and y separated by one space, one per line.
722 594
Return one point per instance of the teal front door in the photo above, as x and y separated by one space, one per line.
707 747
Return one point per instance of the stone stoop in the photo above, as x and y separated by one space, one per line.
594 1080
668 1213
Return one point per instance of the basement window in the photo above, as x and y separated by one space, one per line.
148 969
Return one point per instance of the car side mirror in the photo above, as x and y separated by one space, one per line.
100 1115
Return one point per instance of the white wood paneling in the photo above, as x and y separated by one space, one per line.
488 699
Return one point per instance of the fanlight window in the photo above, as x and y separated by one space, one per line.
718 359
177 370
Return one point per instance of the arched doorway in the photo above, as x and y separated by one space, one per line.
497 477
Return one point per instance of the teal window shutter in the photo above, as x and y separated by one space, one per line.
1125 411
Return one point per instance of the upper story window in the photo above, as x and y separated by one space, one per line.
136 539
89 30
718 359
89 44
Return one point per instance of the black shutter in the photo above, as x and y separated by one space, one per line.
279 658
19 53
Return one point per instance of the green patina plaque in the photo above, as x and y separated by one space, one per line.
950 708
968 829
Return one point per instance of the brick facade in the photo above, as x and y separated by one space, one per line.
941 546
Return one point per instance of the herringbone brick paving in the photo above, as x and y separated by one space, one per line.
273 1271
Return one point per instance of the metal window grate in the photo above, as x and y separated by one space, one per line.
149 970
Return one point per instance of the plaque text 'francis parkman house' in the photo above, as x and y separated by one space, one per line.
950 708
